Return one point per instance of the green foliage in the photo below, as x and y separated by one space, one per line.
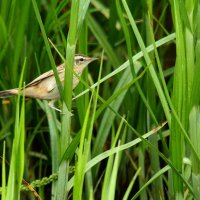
132 122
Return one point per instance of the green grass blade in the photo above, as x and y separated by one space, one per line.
17 159
112 151
3 192
126 195
82 159
52 61
149 64
135 58
195 137
102 38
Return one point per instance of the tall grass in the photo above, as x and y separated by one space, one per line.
130 130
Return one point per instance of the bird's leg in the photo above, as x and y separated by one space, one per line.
51 105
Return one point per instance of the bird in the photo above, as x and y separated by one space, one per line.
44 87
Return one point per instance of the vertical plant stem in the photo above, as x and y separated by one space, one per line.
67 101
17 160
180 102
82 103
157 185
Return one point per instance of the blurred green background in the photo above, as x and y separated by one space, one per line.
74 157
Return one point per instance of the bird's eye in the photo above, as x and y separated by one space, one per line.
81 60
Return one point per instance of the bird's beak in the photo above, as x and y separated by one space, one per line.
93 59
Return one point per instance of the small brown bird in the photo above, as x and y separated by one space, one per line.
45 86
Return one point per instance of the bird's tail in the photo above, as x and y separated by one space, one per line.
8 93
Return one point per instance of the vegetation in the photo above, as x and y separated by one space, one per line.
130 130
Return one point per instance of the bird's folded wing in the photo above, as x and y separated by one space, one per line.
60 68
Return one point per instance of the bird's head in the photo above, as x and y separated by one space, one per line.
81 61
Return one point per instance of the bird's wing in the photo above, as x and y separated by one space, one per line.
60 68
